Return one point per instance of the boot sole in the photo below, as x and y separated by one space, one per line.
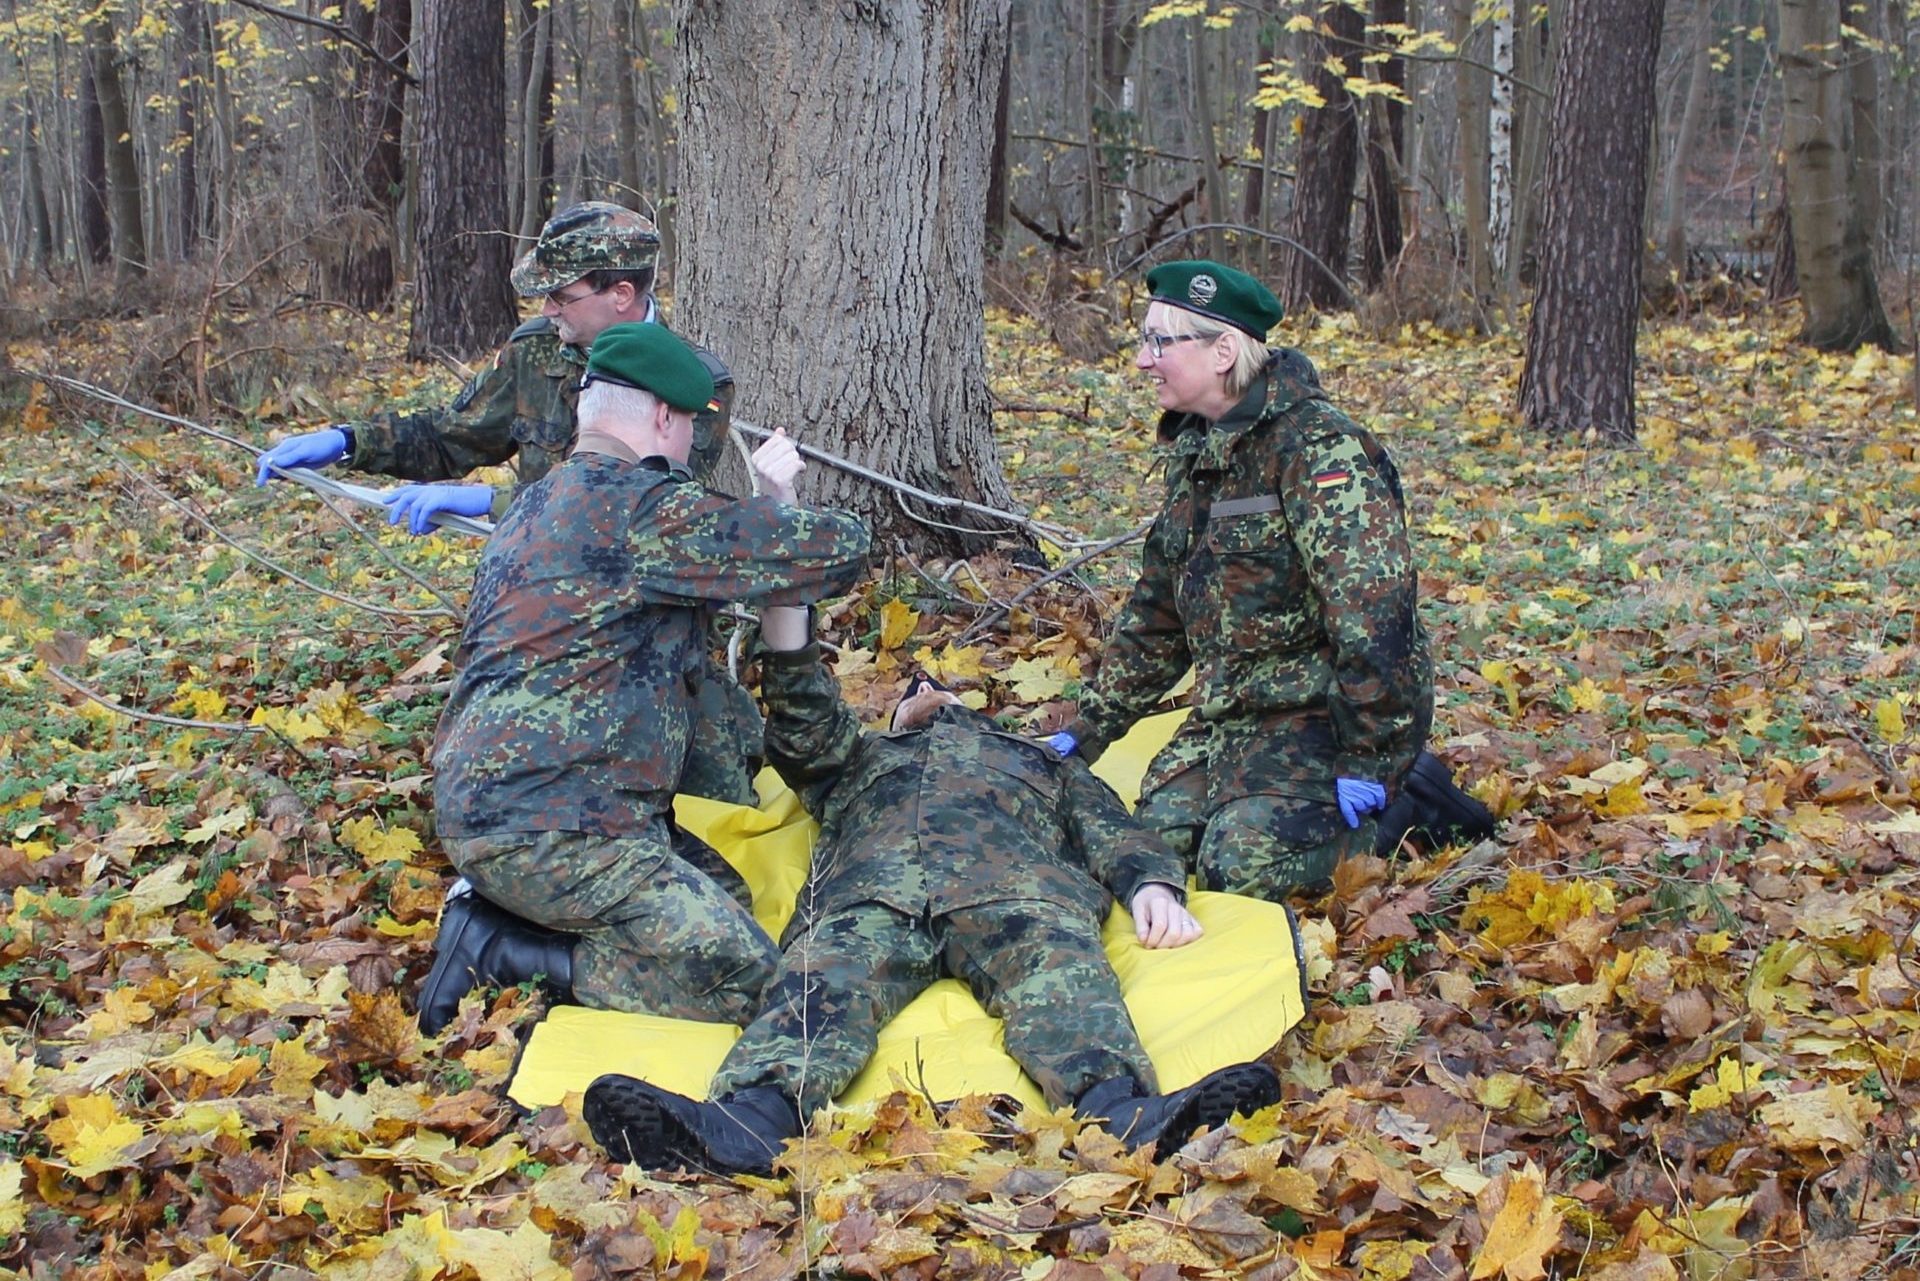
1244 1089
626 1120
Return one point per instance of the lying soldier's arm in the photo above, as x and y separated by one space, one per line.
1132 862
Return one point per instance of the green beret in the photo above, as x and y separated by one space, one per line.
590 236
1217 292
651 358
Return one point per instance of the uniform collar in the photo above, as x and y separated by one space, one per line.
598 442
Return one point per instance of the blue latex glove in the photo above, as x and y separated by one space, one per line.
1358 797
418 504
314 449
1063 743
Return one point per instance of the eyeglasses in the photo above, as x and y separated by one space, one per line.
562 303
1158 343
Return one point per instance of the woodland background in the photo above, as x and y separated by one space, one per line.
1666 1024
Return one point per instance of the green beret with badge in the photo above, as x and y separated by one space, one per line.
1217 292
593 235
650 358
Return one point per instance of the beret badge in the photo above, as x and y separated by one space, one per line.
1202 289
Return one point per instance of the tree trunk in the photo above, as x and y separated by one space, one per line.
1471 97
96 234
1384 237
1831 244
1579 367
536 117
1500 151
627 101
129 234
1213 194
40 244
192 17
1324 176
847 291
1253 203
365 180
464 304
997 162
1673 211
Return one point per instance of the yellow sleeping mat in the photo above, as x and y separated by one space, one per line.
1225 999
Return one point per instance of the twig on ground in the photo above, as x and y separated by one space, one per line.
222 727
1067 568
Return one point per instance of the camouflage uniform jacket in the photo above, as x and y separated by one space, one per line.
519 407
947 816
1279 569
570 710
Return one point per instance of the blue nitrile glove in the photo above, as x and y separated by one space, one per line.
314 449
1063 743
1358 796
418 504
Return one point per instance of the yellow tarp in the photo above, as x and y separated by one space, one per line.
1225 999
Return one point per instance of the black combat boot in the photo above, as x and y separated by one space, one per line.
644 1125
482 945
1138 1119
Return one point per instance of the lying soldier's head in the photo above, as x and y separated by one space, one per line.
923 697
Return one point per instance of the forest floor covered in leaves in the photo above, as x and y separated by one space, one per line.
1667 1024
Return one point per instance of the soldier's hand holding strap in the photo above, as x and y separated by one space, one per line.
310 449
777 465
418 504
1160 919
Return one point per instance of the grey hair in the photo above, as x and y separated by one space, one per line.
1250 355
613 403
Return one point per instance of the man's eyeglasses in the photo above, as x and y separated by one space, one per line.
593 376
1158 343
563 302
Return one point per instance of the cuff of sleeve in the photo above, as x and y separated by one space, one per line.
789 661
1090 741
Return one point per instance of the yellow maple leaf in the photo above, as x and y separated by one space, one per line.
119 1010
1586 696
293 1067
897 621
1035 680
340 712
198 703
1831 1116
161 888
1501 674
213 825
1390 1260
377 844
1525 1227
93 1137
1731 1080
1888 721
289 723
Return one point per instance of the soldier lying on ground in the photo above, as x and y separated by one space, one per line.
562 743
947 847
593 266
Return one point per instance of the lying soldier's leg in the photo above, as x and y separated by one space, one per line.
656 936
1272 846
1045 973
838 982
1041 969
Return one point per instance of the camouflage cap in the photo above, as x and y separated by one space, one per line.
590 236
1217 292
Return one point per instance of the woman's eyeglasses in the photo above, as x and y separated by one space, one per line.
1158 343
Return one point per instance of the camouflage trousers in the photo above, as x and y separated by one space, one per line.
726 750
1034 965
656 934
1262 844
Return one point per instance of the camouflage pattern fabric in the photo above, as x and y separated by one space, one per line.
949 816
656 934
1041 970
519 409
1279 570
1262 846
592 235
578 672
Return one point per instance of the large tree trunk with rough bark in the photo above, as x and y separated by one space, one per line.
1329 161
833 188
1579 369
366 173
1832 246
464 304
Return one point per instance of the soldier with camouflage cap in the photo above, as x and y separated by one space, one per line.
1279 570
563 740
947 847
593 267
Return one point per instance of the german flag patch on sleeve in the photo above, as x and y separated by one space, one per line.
1332 479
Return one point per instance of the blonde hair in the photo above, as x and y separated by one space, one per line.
1250 355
